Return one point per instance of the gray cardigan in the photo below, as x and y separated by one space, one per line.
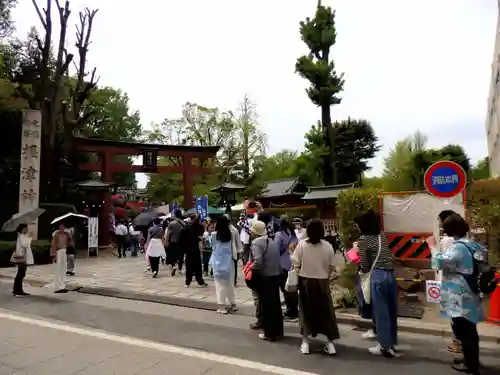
267 260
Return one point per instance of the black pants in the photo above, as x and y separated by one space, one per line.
194 269
154 263
268 292
121 244
180 258
18 280
175 255
466 332
291 298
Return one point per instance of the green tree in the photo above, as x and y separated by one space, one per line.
199 126
309 165
356 145
252 143
6 22
110 117
398 170
239 139
275 167
481 170
319 34
424 159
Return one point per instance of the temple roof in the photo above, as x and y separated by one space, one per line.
228 186
326 192
279 188
94 185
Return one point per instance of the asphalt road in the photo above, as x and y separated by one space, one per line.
230 336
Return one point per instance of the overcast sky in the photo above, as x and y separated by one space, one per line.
408 64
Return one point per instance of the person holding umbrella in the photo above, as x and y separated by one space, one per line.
61 240
22 257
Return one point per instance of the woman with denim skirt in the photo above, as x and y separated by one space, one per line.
383 283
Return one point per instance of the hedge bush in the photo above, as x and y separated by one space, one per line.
40 248
484 209
352 203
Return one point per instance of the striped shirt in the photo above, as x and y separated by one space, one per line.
368 249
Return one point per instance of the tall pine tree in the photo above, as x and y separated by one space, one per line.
319 35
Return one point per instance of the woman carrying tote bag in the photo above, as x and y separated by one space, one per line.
377 269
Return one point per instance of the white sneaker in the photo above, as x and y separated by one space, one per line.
330 349
304 348
369 335
222 311
378 350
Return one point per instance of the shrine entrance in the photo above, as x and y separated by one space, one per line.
189 160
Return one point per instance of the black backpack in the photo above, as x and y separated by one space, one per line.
483 280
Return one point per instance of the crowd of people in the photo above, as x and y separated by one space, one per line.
294 258
271 253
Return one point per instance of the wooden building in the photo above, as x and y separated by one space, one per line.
325 198
283 193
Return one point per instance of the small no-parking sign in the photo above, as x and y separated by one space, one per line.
445 179
433 291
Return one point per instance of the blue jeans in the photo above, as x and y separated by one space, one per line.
385 301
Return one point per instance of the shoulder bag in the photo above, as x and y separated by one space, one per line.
367 277
249 272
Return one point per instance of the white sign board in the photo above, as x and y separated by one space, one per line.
93 233
433 291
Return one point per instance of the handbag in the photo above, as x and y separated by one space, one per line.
292 281
17 259
248 270
366 277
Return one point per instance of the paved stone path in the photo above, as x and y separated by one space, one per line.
129 274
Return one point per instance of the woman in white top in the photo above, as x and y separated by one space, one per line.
154 247
300 231
313 259
22 257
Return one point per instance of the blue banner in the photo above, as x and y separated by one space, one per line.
175 207
202 207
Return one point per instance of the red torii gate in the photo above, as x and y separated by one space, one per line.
191 160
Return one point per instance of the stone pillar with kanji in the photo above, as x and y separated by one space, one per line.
29 181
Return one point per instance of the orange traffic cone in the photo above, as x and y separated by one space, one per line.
494 305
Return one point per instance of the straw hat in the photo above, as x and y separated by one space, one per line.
258 228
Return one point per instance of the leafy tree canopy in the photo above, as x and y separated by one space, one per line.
240 140
481 170
319 34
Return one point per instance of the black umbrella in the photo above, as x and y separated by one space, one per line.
144 219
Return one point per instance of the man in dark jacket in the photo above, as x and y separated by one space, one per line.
190 239
173 242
